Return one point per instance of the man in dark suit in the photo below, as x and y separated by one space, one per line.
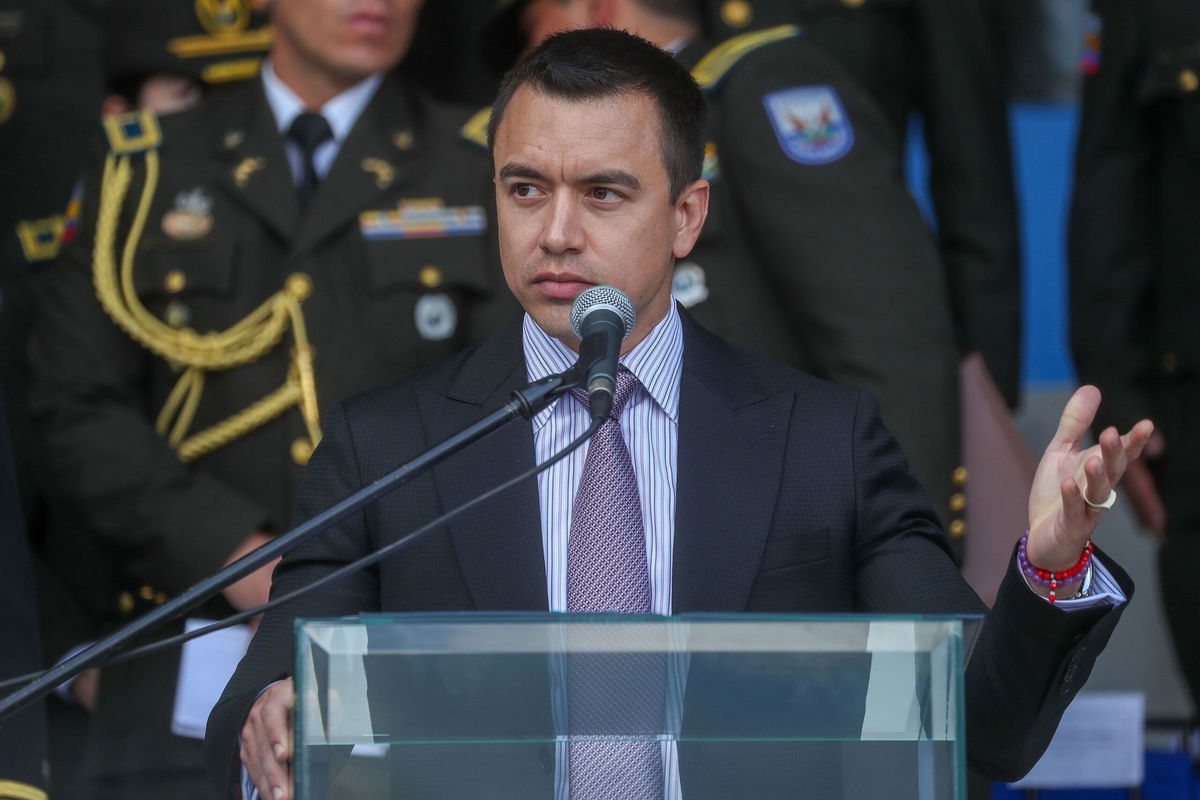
760 488
232 271
814 252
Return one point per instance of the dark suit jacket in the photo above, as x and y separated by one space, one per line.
791 497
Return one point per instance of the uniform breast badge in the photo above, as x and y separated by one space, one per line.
811 124
191 218
436 317
421 219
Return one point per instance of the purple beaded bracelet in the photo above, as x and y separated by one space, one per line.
1045 577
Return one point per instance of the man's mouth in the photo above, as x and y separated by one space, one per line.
561 285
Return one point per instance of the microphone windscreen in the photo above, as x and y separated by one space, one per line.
602 297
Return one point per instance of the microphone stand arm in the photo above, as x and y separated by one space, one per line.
526 403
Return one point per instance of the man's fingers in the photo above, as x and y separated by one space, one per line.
1098 483
1112 451
1074 511
1137 439
1076 417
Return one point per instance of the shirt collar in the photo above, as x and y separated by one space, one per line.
341 112
656 361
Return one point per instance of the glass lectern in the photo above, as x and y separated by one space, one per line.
738 706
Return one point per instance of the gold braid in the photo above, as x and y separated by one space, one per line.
247 341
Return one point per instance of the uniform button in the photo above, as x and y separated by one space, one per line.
958 529
298 285
177 314
402 140
737 13
1170 361
160 598
1188 80
302 451
853 3
3 60
958 502
959 476
174 281
146 593
430 276
125 603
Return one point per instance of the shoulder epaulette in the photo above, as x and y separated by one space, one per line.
475 131
41 238
717 62
132 133
14 790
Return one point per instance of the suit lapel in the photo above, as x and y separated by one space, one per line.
499 545
732 436
255 171
366 166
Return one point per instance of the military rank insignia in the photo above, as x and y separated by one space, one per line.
71 217
40 238
811 124
421 219
131 133
191 218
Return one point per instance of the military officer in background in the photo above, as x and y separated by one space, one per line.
813 252
1135 274
944 60
230 271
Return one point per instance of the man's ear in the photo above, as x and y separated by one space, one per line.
691 209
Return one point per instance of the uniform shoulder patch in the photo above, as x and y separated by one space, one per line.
475 131
810 123
132 133
711 70
40 238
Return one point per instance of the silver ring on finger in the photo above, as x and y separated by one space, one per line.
1105 504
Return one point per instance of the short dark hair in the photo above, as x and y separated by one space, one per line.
600 63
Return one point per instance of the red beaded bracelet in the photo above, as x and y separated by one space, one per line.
1044 576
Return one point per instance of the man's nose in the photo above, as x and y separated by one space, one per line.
563 231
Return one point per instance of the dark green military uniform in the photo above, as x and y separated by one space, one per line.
1135 266
23 735
941 59
814 252
193 278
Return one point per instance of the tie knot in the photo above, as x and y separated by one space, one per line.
627 382
309 130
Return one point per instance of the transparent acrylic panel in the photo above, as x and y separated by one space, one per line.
470 705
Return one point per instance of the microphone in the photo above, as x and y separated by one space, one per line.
601 317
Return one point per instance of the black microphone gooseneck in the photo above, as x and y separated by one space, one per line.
526 403
601 317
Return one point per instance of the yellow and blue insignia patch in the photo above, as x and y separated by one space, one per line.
135 132
71 218
810 123
423 219
475 131
715 65
40 238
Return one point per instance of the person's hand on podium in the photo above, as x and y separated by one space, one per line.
266 747
1072 486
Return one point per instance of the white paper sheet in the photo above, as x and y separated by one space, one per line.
206 666
1099 744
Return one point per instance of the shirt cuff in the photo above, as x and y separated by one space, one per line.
1105 590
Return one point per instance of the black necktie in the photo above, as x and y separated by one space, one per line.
308 131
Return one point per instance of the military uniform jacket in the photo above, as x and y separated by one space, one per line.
941 59
392 266
814 252
1134 246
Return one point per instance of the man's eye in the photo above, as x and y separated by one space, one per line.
605 194
525 190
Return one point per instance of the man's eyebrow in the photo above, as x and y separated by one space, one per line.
616 177
520 171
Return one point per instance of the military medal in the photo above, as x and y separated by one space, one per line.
191 218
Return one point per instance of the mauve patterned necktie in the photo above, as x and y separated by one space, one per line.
607 572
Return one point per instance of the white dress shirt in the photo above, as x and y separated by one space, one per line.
341 113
